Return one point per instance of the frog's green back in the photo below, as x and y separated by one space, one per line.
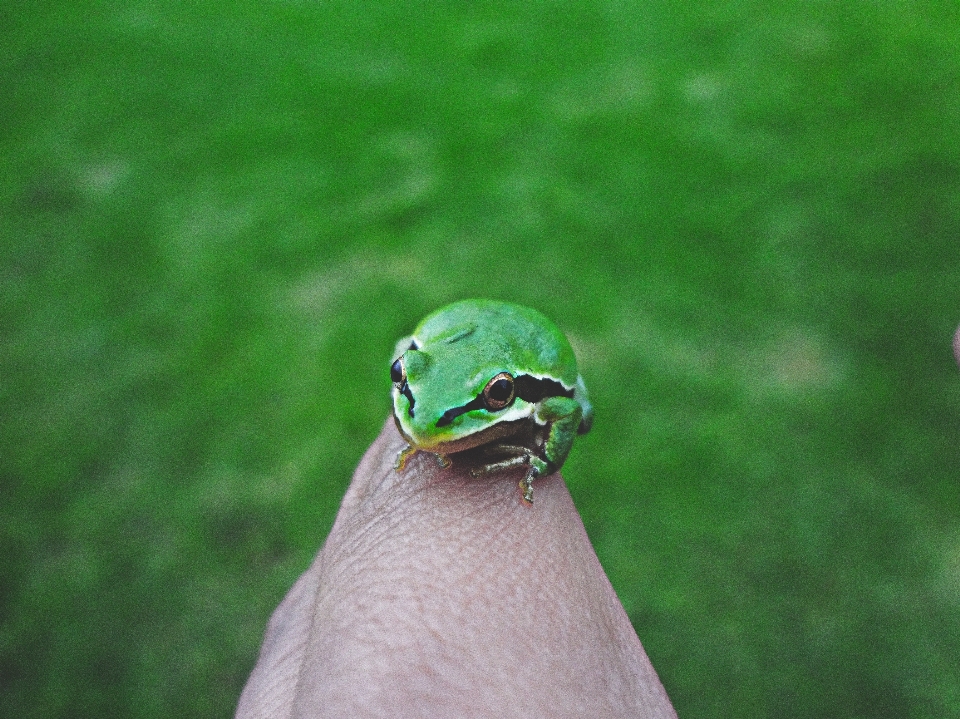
502 337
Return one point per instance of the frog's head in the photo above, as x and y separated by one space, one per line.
448 398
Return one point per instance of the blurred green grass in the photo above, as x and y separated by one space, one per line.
218 217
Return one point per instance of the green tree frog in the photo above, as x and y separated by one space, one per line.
492 374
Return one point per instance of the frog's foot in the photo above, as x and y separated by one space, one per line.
526 486
537 469
403 456
407 452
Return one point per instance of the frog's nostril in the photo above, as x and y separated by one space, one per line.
447 417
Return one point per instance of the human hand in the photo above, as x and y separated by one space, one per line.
438 594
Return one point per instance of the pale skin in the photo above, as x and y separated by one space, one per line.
442 594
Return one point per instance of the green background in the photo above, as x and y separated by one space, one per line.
217 218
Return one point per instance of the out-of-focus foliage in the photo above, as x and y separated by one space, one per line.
216 218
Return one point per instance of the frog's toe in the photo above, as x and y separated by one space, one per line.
402 456
526 484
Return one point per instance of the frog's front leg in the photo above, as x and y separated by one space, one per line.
562 415
521 456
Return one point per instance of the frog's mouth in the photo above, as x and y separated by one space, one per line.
479 437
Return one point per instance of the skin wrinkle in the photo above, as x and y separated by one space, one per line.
475 570
441 594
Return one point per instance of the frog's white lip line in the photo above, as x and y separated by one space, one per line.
552 379
520 410
452 445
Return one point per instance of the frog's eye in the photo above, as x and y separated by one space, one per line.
398 373
499 392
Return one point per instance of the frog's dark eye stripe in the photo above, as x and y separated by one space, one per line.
496 395
531 389
500 392
452 414
398 375
405 391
